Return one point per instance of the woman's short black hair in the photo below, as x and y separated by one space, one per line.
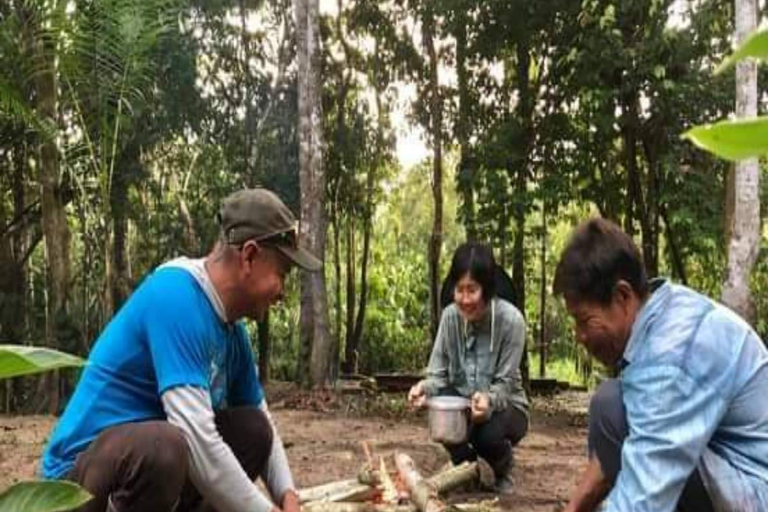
597 256
475 259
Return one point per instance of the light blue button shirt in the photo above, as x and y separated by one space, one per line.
695 387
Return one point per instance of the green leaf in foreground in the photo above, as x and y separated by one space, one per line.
18 360
756 46
733 140
43 496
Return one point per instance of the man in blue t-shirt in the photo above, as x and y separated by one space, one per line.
169 414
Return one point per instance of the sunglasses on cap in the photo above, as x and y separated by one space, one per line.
288 238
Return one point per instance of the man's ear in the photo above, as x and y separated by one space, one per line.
250 252
623 293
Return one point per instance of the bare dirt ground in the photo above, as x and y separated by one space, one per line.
323 435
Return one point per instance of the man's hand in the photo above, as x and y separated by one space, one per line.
481 407
417 395
591 490
290 502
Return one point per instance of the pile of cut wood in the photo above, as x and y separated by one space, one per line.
406 490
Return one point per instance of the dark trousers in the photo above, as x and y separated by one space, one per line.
493 440
144 466
607 430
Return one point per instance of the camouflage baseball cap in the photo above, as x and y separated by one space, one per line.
258 214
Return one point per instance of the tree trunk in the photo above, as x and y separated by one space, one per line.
436 129
54 216
635 208
315 337
651 221
120 279
13 255
525 112
337 270
743 243
350 348
543 294
466 172
678 264
367 232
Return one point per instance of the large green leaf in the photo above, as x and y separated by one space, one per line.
43 496
756 46
18 360
732 140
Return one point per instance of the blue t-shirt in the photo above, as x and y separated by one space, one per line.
167 334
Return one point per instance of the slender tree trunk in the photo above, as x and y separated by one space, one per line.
436 129
120 279
743 243
14 254
367 232
54 216
651 221
678 264
629 128
337 271
466 172
525 112
350 349
315 337
543 293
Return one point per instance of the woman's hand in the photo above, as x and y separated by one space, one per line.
481 407
417 395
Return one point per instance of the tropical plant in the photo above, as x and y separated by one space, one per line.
38 496
736 139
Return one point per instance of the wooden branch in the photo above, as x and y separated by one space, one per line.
390 493
345 490
455 477
423 493
368 474
326 506
351 492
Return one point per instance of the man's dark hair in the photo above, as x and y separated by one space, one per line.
475 259
597 256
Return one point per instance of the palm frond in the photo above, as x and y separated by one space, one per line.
14 109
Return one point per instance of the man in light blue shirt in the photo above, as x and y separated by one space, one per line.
685 425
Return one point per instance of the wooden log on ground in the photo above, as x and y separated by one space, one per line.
344 490
455 477
423 493
327 506
354 491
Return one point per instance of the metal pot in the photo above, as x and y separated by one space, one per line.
448 419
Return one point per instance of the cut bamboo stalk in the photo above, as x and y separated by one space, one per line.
423 493
455 477
344 490
327 506
389 491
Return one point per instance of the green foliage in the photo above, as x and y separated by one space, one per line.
733 140
43 496
38 496
166 106
22 360
740 138
756 46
